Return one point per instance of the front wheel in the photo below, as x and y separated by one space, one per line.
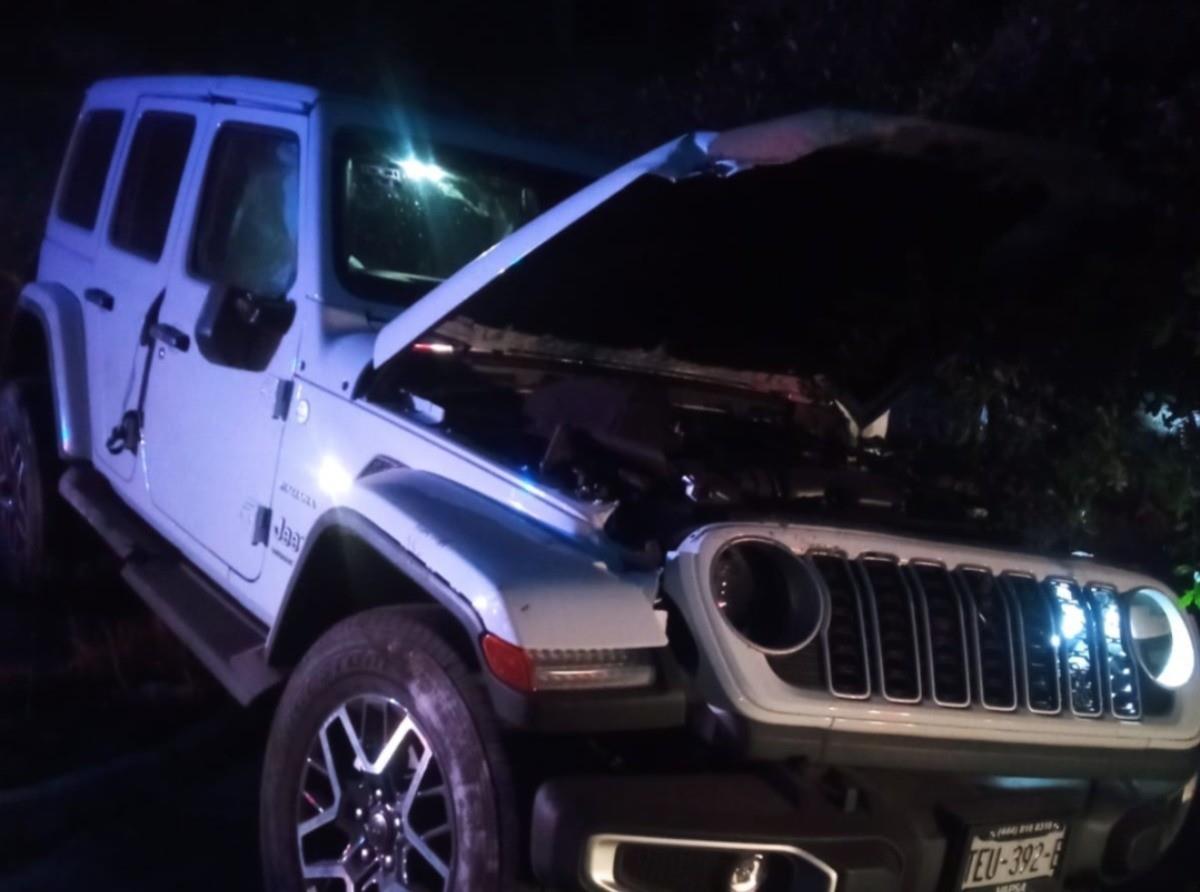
383 769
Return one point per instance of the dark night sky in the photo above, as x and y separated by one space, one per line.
625 73
485 57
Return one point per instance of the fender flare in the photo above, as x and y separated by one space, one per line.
290 620
60 315
663 706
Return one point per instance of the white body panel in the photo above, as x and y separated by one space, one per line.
116 359
215 421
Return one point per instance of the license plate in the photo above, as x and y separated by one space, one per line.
1014 857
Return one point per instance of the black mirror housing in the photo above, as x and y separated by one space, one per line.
240 329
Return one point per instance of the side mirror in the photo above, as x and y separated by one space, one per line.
240 329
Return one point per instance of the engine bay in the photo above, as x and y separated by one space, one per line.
665 451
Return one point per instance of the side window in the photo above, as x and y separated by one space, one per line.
87 167
150 183
249 210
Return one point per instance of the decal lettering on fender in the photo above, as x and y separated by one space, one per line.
287 537
299 495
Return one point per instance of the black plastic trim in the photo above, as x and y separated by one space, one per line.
561 712
347 520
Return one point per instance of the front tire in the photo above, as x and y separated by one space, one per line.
28 466
383 769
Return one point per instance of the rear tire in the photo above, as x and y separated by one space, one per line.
29 469
431 808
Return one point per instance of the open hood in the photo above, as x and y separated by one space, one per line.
1042 193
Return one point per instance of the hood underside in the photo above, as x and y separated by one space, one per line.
830 202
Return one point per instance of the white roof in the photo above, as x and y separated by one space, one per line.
252 90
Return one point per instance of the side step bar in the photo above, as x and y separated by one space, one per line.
229 642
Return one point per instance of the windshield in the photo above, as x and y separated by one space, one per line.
408 216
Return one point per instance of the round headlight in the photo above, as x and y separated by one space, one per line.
767 595
1160 638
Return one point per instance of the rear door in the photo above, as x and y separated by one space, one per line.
131 266
222 368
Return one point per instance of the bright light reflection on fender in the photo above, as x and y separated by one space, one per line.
333 479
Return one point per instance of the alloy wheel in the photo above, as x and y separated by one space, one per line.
374 813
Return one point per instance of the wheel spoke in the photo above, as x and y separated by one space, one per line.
327 870
330 771
394 742
430 856
410 795
361 762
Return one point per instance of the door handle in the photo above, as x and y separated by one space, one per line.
99 297
171 336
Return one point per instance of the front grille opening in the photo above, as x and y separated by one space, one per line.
945 634
992 629
894 621
845 642
1039 643
1119 671
1078 640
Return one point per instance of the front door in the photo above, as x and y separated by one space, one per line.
130 271
226 341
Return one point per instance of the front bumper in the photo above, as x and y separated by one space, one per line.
857 830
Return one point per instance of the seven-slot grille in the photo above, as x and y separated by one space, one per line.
919 632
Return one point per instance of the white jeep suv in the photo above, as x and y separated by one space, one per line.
533 494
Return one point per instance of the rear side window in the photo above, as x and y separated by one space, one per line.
87 168
150 182
246 226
